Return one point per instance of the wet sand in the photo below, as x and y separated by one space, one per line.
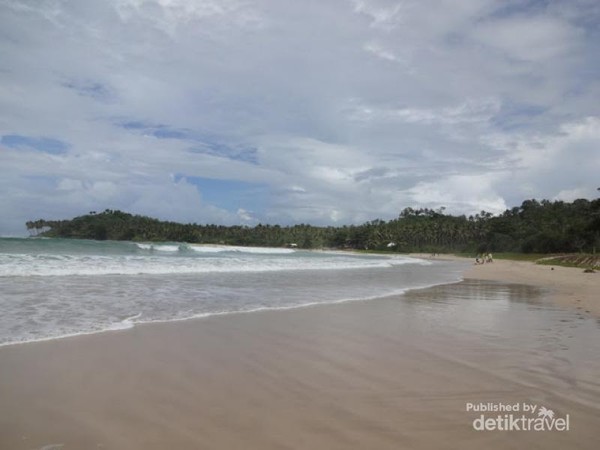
567 286
381 374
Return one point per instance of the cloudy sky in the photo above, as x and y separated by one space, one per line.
287 111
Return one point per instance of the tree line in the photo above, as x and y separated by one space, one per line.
534 227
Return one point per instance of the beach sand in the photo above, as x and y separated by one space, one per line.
567 286
380 374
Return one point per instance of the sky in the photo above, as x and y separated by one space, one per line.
326 112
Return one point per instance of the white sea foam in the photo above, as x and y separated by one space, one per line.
159 248
59 288
93 329
239 249
209 248
132 321
64 265
166 248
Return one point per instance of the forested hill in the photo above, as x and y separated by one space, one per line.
534 227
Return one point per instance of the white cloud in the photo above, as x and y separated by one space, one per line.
380 52
560 165
382 13
460 194
569 195
529 38
247 217
469 111
344 111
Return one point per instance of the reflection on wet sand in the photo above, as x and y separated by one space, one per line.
390 373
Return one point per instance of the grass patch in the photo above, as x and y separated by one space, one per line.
580 260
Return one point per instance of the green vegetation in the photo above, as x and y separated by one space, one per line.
583 260
535 228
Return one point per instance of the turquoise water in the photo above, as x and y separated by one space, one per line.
53 288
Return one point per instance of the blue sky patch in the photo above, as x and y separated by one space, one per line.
230 194
169 133
206 144
521 7
158 131
517 115
91 89
42 144
134 125
245 154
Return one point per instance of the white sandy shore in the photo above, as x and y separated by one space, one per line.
567 286
348 376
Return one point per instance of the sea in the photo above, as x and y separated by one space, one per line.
54 288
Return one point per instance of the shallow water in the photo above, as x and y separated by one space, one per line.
387 373
54 288
509 331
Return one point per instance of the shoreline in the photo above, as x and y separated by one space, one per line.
203 316
382 374
303 301
394 372
568 287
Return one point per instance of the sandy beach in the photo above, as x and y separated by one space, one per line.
567 286
389 373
